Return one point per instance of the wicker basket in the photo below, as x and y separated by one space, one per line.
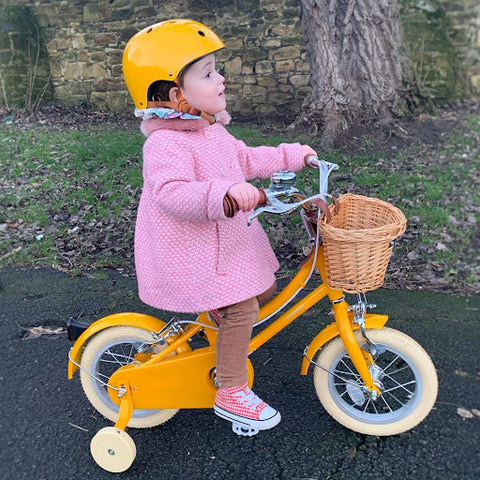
358 242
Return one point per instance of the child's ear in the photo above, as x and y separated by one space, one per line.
173 94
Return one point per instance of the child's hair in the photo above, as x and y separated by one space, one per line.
159 91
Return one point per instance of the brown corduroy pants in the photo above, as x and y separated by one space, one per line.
234 332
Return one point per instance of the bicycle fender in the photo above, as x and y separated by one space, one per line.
372 320
140 320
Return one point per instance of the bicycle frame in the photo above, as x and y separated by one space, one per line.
185 380
157 370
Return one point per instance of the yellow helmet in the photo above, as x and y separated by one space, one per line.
159 52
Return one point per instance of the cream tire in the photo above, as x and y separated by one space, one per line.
113 449
104 353
404 372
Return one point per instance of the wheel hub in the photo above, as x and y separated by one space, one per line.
358 393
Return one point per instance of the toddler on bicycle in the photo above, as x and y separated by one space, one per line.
191 254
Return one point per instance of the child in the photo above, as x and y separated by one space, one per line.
190 256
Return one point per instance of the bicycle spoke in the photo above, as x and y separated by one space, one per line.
390 364
345 372
117 360
348 368
122 348
396 399
131 354
117 357
401 386
114 356
406 367
106 377
343 393
367 404
386 403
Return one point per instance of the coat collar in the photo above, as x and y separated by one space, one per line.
152 124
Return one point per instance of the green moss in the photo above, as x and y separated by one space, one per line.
430 38
24 64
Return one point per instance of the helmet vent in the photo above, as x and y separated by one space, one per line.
202 34
149 30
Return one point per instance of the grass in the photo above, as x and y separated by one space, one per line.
49 174
54 181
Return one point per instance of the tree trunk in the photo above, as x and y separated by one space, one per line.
359 69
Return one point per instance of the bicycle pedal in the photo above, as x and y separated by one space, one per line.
243 431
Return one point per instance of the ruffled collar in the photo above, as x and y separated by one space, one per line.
178 122
163 112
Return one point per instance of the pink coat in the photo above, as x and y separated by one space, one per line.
189 257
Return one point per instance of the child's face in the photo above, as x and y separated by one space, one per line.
203 86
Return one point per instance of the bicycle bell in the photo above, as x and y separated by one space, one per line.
283 180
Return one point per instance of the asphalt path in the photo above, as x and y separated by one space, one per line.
46 422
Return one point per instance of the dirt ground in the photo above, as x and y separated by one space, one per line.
413 265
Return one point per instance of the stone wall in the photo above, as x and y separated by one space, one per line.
444 41
265 63
24 59
465 18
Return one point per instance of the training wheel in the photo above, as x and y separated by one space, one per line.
113 449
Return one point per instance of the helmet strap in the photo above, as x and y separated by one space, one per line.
181 106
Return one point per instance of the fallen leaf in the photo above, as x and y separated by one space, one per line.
36 332
464 412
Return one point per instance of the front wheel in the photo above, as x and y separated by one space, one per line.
403 372
105 353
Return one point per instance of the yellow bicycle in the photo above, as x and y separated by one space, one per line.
138 370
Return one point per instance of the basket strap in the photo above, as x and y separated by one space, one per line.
323 206
336 204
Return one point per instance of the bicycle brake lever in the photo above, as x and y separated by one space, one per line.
278 207
274 205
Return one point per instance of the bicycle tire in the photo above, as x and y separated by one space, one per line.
102 344
414 382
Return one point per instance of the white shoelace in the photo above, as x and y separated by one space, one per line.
248 398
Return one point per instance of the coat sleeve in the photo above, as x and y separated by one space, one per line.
168 173
261 162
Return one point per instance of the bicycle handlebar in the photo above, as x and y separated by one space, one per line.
268 199
312 161
230 206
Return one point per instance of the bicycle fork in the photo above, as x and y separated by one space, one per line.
358 356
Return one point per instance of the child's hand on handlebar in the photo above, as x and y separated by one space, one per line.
246 196
307 151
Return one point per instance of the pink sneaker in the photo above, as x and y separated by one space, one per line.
245 410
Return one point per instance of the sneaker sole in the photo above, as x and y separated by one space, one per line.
249 422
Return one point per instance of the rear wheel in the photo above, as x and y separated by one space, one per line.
403 372
105 353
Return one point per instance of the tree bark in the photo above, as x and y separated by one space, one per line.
359 68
